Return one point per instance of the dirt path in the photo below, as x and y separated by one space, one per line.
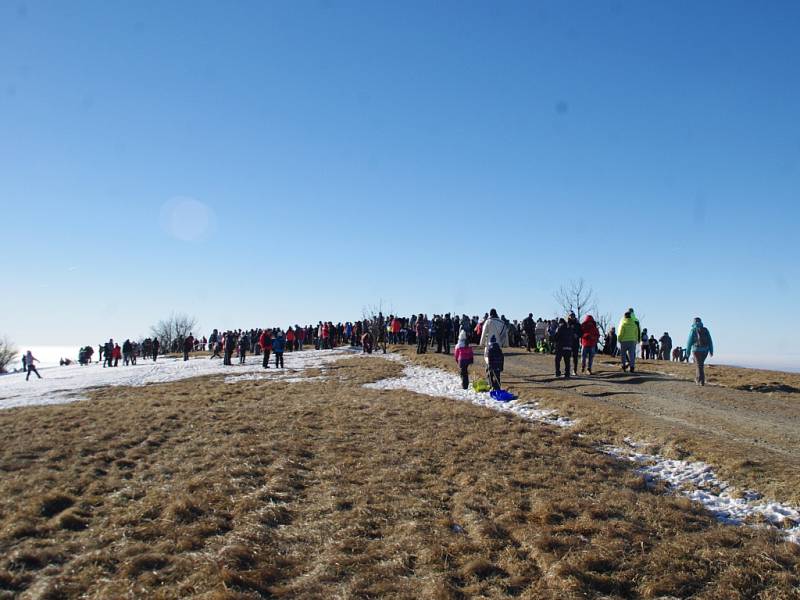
753 438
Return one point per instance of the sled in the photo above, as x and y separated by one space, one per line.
502 395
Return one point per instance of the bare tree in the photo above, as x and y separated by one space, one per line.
577 297
375 322
8 353
604 323
174 328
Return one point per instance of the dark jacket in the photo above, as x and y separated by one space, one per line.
495 356
564 338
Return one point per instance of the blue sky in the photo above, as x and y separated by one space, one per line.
259 163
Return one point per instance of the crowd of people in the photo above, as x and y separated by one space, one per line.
568 339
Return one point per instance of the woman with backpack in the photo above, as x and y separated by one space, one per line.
464 358
700 346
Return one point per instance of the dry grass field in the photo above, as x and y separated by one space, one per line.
325 489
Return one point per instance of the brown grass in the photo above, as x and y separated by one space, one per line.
329 490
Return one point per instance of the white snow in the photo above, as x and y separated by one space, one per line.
698 481
436 382
67 384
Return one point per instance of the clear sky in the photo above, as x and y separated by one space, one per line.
265 163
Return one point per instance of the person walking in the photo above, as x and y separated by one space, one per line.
493 355
29 359
494 326
590 335
563 341
464 358
628 335
699 346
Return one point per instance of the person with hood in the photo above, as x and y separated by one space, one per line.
493 355
590 335
28 361
610 342
366 342
699 346
666 346
494 327
464 358
278 344
265 342
628 336
563 341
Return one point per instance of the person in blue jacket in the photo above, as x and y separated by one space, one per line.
700 346
278 344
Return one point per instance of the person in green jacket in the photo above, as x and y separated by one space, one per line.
628 333
699 346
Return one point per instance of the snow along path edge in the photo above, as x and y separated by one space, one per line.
695 480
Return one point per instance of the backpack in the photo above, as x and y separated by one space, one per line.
702 339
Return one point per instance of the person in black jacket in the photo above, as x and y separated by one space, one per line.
494 362
563 342
155 345
575 327
529 327
126 352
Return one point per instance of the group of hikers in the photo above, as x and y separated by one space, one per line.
567 338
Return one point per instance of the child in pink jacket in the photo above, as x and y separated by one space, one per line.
464 358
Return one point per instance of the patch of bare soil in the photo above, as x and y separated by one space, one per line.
324 489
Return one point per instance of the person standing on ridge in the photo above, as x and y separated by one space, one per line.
563 341
590 335
700 346
575 326
265 341
278 345
666 346
529 327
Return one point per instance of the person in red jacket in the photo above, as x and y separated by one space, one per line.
116 354
289 339
464 358
265 341
589 338
395 328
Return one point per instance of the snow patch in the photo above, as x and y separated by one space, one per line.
60 385
697 481
436 382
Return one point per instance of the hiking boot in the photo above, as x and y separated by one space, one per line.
558 375
590 372
583 369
